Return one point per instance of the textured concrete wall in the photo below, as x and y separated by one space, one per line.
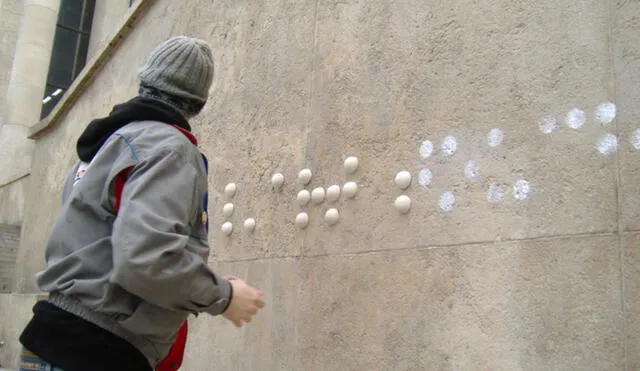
16 312
107 17
9 243
548 282
10 16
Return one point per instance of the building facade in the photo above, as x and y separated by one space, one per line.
516 245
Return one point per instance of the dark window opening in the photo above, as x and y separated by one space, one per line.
69 53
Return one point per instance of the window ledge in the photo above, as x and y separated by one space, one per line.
91 69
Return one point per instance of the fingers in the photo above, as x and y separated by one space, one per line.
259 303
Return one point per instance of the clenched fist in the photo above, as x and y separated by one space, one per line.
245 302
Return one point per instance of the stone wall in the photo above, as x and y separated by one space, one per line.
541 279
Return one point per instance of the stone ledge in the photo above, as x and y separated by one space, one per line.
90 70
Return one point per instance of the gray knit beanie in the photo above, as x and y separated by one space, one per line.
181 67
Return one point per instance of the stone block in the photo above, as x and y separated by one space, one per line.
389 77
530 305
626 48
16 313
631 299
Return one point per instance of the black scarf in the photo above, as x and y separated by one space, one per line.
137 109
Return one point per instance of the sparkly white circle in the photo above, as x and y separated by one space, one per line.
333 193
227 210
277 180
426 149
317 195
249 225
521 189
576 118
403 204
227 228
302 220
425 176
303 197
606 112
449 145
332 216
351 164
403 179
635 139
495 194
304 176
230 190
548 124
495 137
607 144
447 201
471 170
350 189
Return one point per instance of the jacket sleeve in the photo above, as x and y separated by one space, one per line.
150 235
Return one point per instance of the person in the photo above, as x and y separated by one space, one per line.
127 256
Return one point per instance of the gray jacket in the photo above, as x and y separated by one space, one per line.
140 273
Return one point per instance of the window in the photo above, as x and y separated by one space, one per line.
69 53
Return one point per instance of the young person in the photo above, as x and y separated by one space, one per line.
127 257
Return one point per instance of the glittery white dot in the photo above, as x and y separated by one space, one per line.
495 194
495 137
521 189
426 149
471 170
447 201
576 118
606 112
425 176
449 145
635 139
548 124
607 144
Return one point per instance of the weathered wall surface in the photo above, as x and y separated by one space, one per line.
548 282
10 15
107 17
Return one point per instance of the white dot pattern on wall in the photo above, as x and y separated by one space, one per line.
351 164
230 190
635 139
277 180
606 112
332 216
576 118
495 137
471 170
548 124
607 144
333 193
449 145
521 190
426 149
303 197
317 195
403 204
227 228
249 225
304 176
425 176
302 220
227 210
447 201
495 194
350 189
403 179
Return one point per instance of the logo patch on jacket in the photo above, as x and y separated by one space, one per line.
82 170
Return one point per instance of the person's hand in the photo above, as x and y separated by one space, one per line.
245 302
